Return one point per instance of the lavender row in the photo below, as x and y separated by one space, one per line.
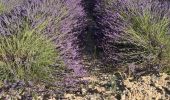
63 17
119 49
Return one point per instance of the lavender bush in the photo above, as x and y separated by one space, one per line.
143 37
27 56
65 18
8 5
101 30
69 43
31 46
92 35
28 49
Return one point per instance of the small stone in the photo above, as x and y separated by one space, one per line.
100 89
83 91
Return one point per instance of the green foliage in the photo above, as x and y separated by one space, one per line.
2 8
27 55
8 5
149 33
113 83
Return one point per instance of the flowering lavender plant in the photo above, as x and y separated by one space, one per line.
144 39
69 42
21 43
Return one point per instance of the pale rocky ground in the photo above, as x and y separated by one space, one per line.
146 88
103 87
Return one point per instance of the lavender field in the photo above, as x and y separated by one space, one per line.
84 49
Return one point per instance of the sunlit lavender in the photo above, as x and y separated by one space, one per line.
81 48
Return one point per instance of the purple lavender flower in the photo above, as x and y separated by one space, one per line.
70 49
116 49
56 13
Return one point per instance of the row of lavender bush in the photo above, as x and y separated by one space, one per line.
139 36
110 31
38 42
45 39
